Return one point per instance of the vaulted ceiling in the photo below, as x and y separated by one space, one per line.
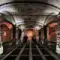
32 12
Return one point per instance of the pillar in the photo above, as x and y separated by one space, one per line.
45 35
19 34
58 38
1 46
14 33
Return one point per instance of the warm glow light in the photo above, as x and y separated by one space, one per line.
30 33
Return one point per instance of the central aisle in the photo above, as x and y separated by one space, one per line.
30 51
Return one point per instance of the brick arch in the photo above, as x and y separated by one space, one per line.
51 31
7 24
6 29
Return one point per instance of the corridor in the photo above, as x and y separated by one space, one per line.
30 51
29 29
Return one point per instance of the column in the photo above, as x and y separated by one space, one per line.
45 35
58 38
14 33
1 46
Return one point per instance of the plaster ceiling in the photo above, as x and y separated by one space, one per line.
32 14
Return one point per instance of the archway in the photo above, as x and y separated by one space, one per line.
51 31
30 33
6 29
